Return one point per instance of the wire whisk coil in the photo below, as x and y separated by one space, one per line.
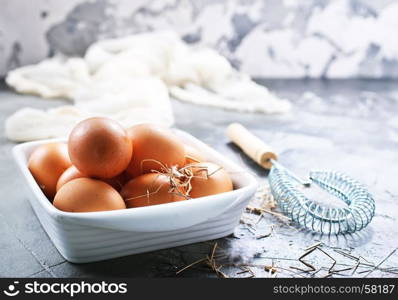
313 216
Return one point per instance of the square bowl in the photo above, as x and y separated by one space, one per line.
95 236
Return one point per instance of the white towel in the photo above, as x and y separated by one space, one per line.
129 79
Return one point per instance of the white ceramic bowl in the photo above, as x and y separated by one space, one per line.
95 236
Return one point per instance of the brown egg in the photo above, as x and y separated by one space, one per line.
72 172
69 174
100 147
118 181
192 155
209 179
154 147
150 189
47 163
87 195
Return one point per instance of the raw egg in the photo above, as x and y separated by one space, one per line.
100 147
69 174
155 148
87 195
209 179
192 155
47 163
118 181
72 172
150 189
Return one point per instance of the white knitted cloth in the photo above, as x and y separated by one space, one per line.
129 79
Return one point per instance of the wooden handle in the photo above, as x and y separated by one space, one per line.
255 148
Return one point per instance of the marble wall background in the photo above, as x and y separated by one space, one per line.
265 38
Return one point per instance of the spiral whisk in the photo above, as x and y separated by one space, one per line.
313 216
302 210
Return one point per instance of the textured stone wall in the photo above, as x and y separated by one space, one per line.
265 38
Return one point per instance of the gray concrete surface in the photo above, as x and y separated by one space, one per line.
350 126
